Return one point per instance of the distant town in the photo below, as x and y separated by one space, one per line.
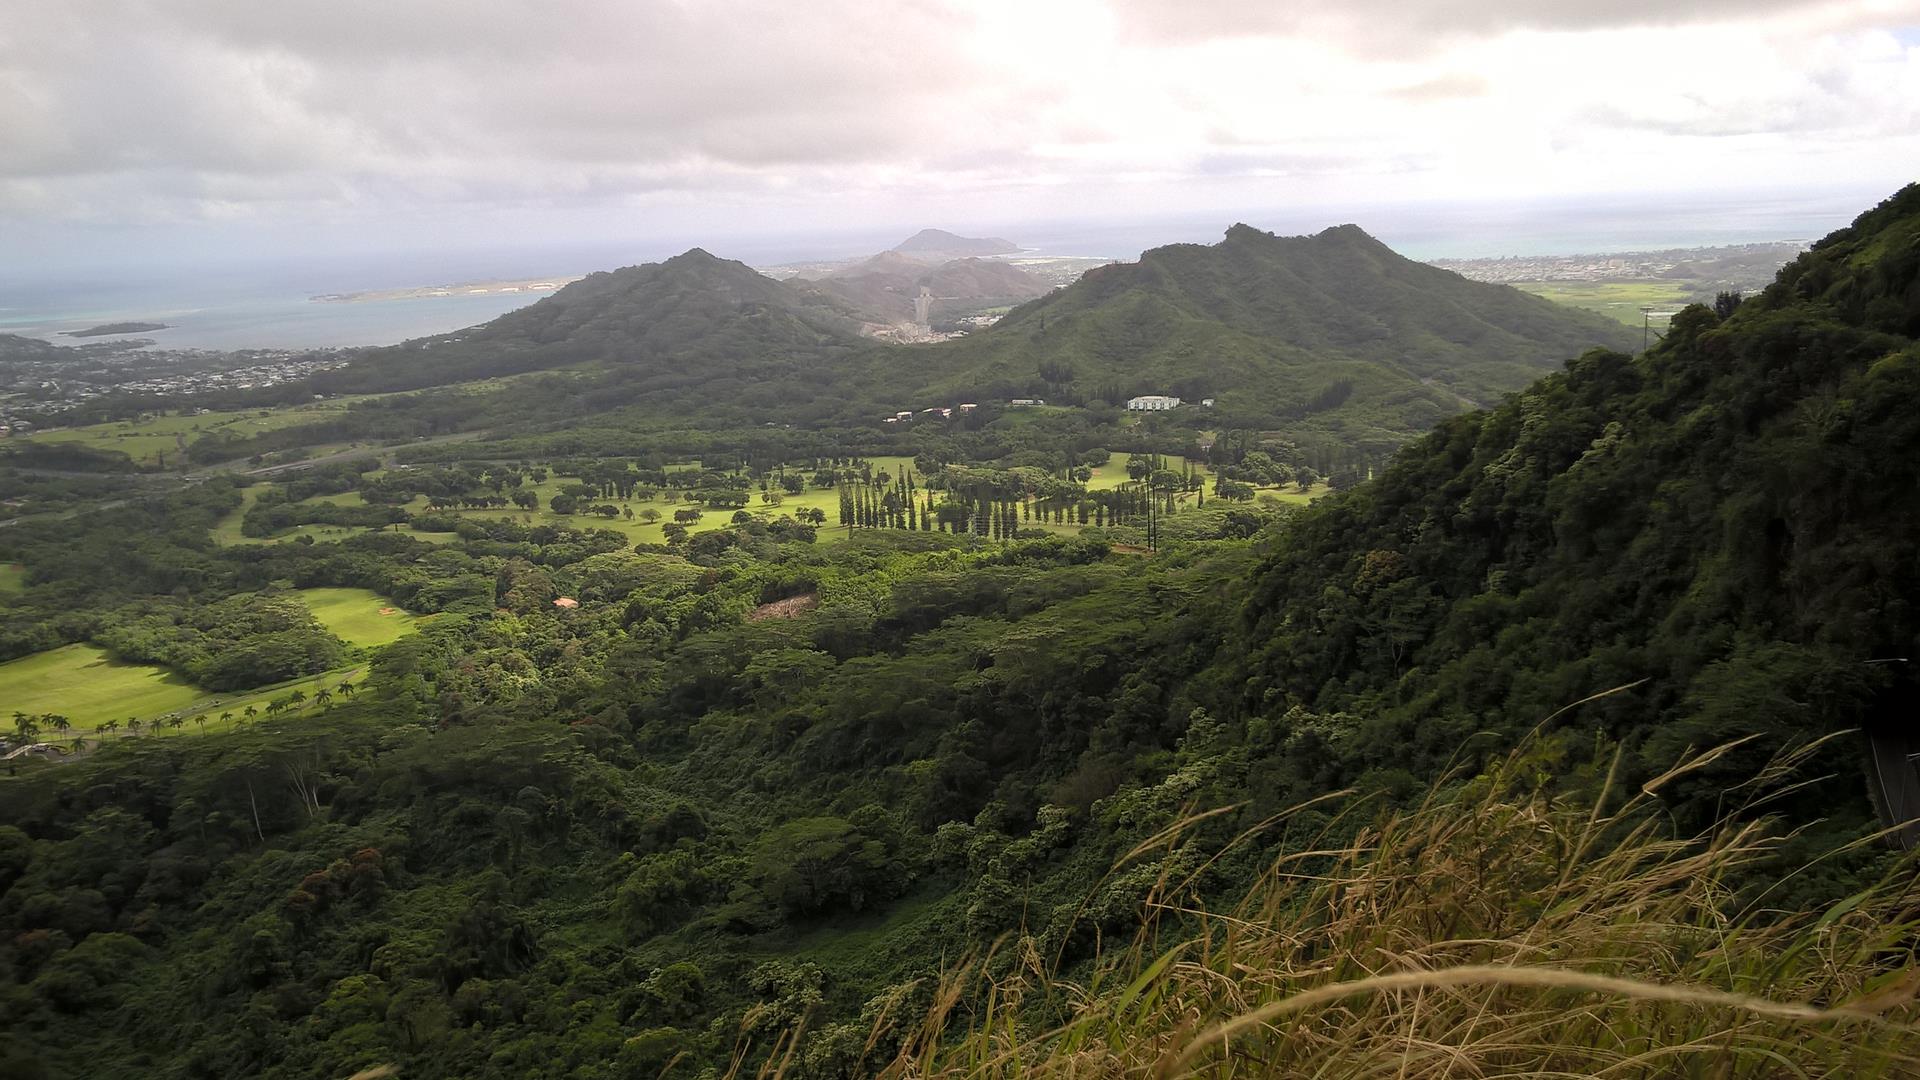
1737 266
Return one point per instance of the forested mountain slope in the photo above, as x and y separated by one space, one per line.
1333 329
1730 517
583 843
1334 336
693 311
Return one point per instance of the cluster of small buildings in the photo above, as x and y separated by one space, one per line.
54 386
1160 403
1144 403
907 416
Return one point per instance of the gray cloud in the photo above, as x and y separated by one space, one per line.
1375 27
184 110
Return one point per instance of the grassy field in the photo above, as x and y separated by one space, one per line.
148 441
13 578
227 532
86 685
1621 300
359 617
638 531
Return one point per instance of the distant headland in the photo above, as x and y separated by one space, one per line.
107 329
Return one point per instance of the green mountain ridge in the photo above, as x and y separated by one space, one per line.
662 833
691 309
1273 324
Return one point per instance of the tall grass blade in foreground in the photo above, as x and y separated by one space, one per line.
1492 931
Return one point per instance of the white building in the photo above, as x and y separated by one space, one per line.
1153 403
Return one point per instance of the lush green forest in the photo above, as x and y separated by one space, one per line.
949 778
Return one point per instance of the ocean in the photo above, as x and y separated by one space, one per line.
270 306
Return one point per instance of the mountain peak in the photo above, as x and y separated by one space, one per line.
946 245
693 256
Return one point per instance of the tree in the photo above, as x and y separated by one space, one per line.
346 688
323 697
1726 303
133 725
649 515
251 712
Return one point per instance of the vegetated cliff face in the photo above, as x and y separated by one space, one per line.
1730 517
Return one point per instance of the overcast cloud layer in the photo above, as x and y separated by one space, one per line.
359 117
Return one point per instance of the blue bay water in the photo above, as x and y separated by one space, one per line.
270 305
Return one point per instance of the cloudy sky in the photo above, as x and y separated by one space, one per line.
143 126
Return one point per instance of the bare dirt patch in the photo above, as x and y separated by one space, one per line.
791 608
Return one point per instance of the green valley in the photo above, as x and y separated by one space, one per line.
685 717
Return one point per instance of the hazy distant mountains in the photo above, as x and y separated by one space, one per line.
1334 327
938 245
885 285
1334 332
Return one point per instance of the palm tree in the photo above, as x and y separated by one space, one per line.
323 697
26 725
133 725
227 717
176 722
109 727
346 688
251 712
59 723
79 742
200 721
297 697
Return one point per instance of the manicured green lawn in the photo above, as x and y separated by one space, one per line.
359 616
86 685
1620 300
227 531
638 531
147 441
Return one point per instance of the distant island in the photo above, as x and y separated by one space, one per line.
539 286
105 329
940 245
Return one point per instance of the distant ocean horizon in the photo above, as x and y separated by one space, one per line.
271 306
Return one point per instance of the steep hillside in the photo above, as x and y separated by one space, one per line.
1730 517
693 313
1279 329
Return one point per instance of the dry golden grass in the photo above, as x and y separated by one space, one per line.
1492 932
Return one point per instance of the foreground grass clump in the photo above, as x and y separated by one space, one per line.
1494 931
